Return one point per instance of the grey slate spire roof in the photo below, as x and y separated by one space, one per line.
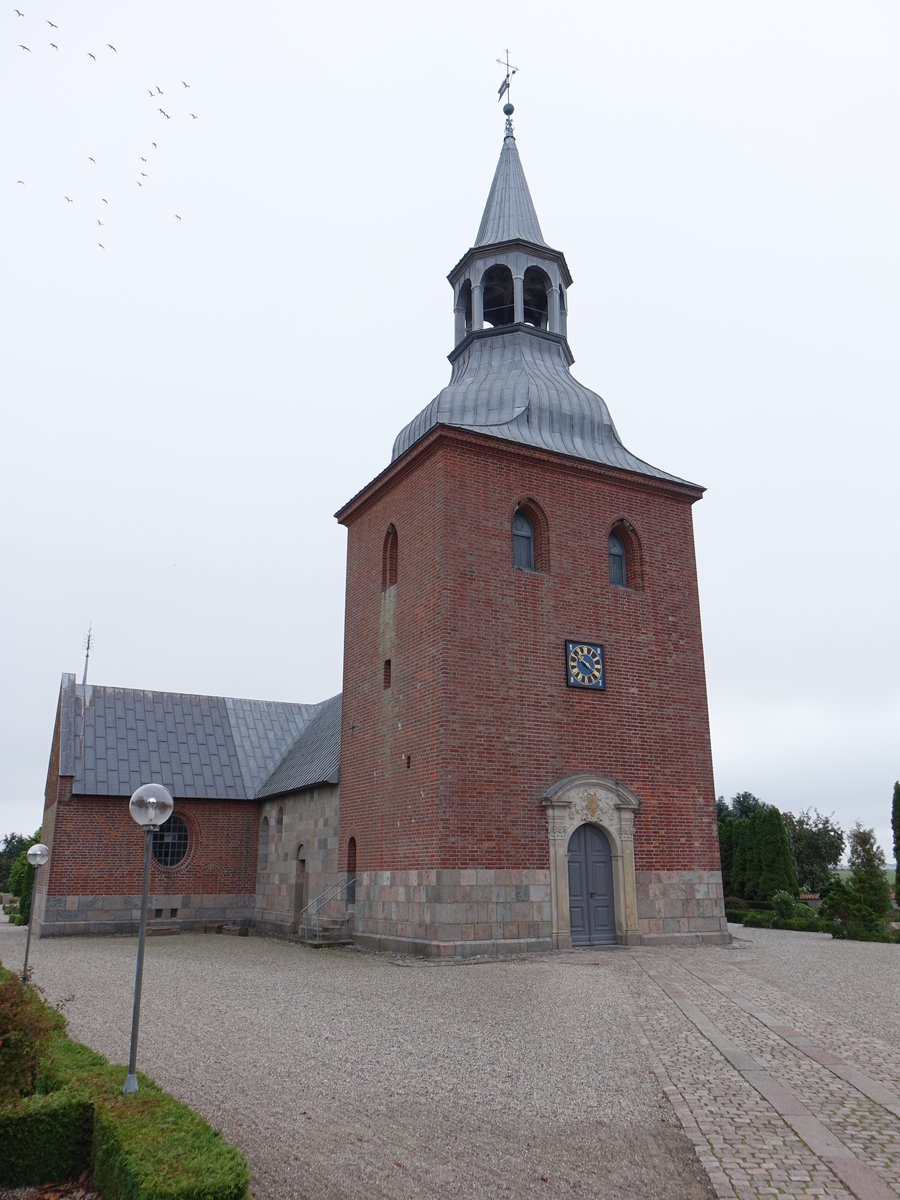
513 381
509 212
200 747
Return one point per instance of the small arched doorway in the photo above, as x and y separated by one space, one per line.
592 910
299 887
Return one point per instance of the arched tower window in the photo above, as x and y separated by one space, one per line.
389 559
499 302
625 565
529 530
563 311
523 542
618 575
536 286
279 825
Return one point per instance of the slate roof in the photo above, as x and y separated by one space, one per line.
509 212
514 383
201 747
315 756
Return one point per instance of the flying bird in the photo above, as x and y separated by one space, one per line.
150 92
177 218
145 175
50 23
21 47
99 222
159 91
93 160
112 47
185 84
153 144
138 182
21 14
69 198
93 56
22 181
54 45
106 202
194 115
143 159
100 244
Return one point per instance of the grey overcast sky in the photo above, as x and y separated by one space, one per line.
186 407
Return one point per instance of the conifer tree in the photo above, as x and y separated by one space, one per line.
739 857
895 825
776 869
753 855
867 876
726 854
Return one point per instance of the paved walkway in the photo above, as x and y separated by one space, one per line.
778 1098
774 1063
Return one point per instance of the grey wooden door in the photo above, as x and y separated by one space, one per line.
592 914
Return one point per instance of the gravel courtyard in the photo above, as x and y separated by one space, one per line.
595 1073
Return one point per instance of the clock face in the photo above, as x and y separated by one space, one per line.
584 665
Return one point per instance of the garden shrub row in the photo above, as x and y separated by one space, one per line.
147 1146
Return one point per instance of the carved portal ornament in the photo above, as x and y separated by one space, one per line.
610 805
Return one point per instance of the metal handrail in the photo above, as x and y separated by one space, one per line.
331 893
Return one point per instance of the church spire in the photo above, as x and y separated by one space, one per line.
511 358
509 212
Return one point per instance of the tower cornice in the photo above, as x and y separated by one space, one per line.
532 250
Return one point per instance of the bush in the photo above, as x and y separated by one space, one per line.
735 902
758 920
735 915
25 1029
783 906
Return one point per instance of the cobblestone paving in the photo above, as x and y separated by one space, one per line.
777 1100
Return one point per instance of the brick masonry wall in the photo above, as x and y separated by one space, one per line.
98 850
448 765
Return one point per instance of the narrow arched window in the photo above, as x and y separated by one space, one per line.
523 542
617 574
279 825
389 559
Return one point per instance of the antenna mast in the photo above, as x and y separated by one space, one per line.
88 642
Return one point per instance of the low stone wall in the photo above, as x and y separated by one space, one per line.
445 913
73 915
680 908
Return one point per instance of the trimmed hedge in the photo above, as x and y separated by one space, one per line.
45 1137
147 1146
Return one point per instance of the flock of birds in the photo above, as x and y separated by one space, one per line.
34 27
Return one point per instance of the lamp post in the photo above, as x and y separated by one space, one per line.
151 806
37 856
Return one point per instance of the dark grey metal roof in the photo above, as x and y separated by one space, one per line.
509 212
201 747
314 758
514 383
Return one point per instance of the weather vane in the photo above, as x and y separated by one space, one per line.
503 90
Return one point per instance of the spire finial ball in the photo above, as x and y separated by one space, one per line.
508 110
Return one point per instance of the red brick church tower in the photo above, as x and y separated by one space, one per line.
525 753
